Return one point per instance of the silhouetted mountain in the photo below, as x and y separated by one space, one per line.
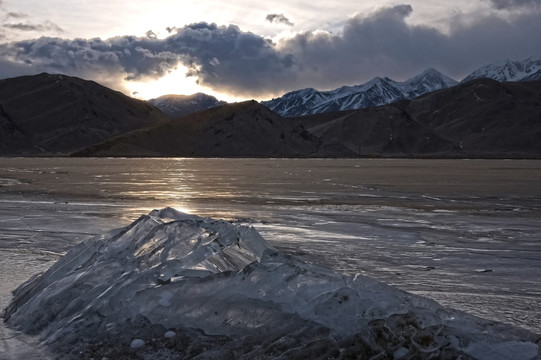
525 70
51 114
180 105
56 114
481 118
378 91
245 129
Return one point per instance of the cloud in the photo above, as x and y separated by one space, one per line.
278 19
227 59
46 26
111 62
515 4
16 15
14 24
151 34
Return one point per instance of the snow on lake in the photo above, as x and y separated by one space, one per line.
465 233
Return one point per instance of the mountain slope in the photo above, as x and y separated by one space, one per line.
526 70
378 91
51 114
245 129
485 117
380 131
180 105
481 118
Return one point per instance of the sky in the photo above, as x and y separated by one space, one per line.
240 49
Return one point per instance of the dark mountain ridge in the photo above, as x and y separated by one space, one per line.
54 114
58 115
245 129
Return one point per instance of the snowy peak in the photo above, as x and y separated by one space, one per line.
180 105
297 102
508 70
428 81
378 91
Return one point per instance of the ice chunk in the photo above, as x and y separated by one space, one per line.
216 288
137 343
169 334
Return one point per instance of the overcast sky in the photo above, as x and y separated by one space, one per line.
259 49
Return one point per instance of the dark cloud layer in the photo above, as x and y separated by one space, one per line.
278 19
245 64
513 4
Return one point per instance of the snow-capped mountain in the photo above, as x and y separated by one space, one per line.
297 102
378 91
428 81
536 76
508 70
180 105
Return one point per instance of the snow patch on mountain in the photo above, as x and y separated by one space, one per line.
378 91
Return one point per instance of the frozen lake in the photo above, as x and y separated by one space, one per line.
463 232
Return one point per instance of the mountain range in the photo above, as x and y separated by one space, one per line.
481 118
46 114
378 91
381 91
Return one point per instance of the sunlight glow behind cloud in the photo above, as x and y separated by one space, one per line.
174 83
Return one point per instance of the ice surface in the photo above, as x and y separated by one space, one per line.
173 285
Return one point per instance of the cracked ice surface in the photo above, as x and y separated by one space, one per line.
175 285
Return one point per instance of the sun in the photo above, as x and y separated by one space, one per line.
174 83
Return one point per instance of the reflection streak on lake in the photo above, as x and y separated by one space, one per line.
466 233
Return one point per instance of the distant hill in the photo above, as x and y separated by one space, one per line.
481 118
245 129
180 105
54 114
378 91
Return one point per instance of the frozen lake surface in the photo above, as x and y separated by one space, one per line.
465 233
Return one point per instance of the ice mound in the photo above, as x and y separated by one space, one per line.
173 285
